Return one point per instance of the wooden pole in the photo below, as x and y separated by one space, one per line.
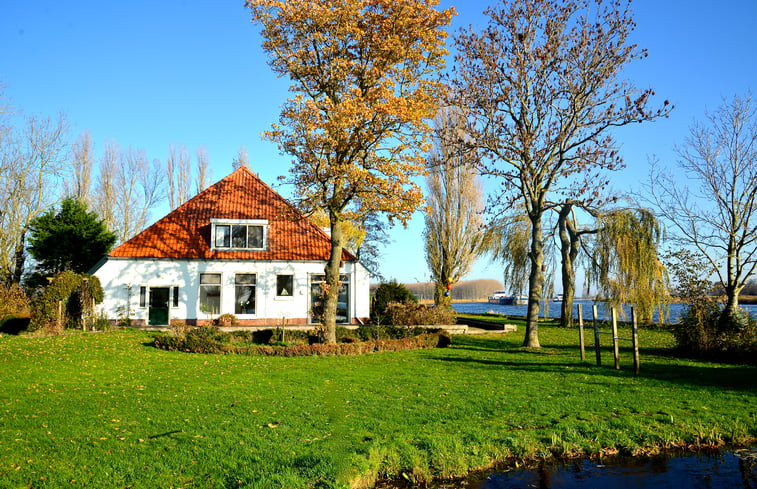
581 330
615 338
635 341
596 334
60 314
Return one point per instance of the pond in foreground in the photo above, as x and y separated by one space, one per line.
725 469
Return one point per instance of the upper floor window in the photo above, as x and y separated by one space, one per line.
229 234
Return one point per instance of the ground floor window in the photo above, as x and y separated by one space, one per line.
175 296
284 285
244 293
316 299
210 293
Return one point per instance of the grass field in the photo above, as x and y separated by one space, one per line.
109 410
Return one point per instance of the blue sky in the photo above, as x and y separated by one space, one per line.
154 73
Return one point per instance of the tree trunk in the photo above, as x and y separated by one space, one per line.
731 306
535 282
332 280
19 258
568 258
440 288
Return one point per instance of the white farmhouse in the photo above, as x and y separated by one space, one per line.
237 247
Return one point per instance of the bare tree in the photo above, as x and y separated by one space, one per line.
203 171
454 224
542 88
31 164
241 159
716 215
104 198
79 181
179 175
138 189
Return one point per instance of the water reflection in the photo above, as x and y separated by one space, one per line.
729 470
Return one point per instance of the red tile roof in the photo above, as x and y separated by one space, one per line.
185 232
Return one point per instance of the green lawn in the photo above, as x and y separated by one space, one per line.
109 410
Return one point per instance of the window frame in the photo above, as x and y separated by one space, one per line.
345 279
220 293
291 292
254 286
175 301
230 224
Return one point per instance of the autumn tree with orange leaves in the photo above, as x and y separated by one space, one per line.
542 87
364 75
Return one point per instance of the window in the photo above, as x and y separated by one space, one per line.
316 298
174 296
143 296
210 293
284 285
244 293
222 236
245 235
239 236
255 237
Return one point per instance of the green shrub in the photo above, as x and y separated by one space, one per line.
179 327
76 291
101 323
385 294
701 332
209 341
410 314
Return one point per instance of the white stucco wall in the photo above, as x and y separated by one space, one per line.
122 278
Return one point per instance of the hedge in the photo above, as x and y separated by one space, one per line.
203 340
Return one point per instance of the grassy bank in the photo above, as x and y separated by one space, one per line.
109 410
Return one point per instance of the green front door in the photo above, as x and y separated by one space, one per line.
158 313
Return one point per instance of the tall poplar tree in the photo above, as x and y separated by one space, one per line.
364 75
454 224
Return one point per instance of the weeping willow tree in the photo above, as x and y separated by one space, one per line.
508 239
626 267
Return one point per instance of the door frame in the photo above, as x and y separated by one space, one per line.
168 303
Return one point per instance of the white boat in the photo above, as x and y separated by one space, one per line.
501 297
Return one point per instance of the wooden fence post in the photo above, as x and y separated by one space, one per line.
596 334
581 330
60 314
615 338
635 341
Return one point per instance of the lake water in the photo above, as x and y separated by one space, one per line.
722 470
554 309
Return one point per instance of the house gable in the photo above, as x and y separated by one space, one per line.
242 197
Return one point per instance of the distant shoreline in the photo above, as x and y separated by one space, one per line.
745 299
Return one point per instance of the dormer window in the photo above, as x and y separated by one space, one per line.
230 234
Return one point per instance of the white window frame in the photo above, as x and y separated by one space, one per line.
257 304
237 222
200 313
174 289
289 297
